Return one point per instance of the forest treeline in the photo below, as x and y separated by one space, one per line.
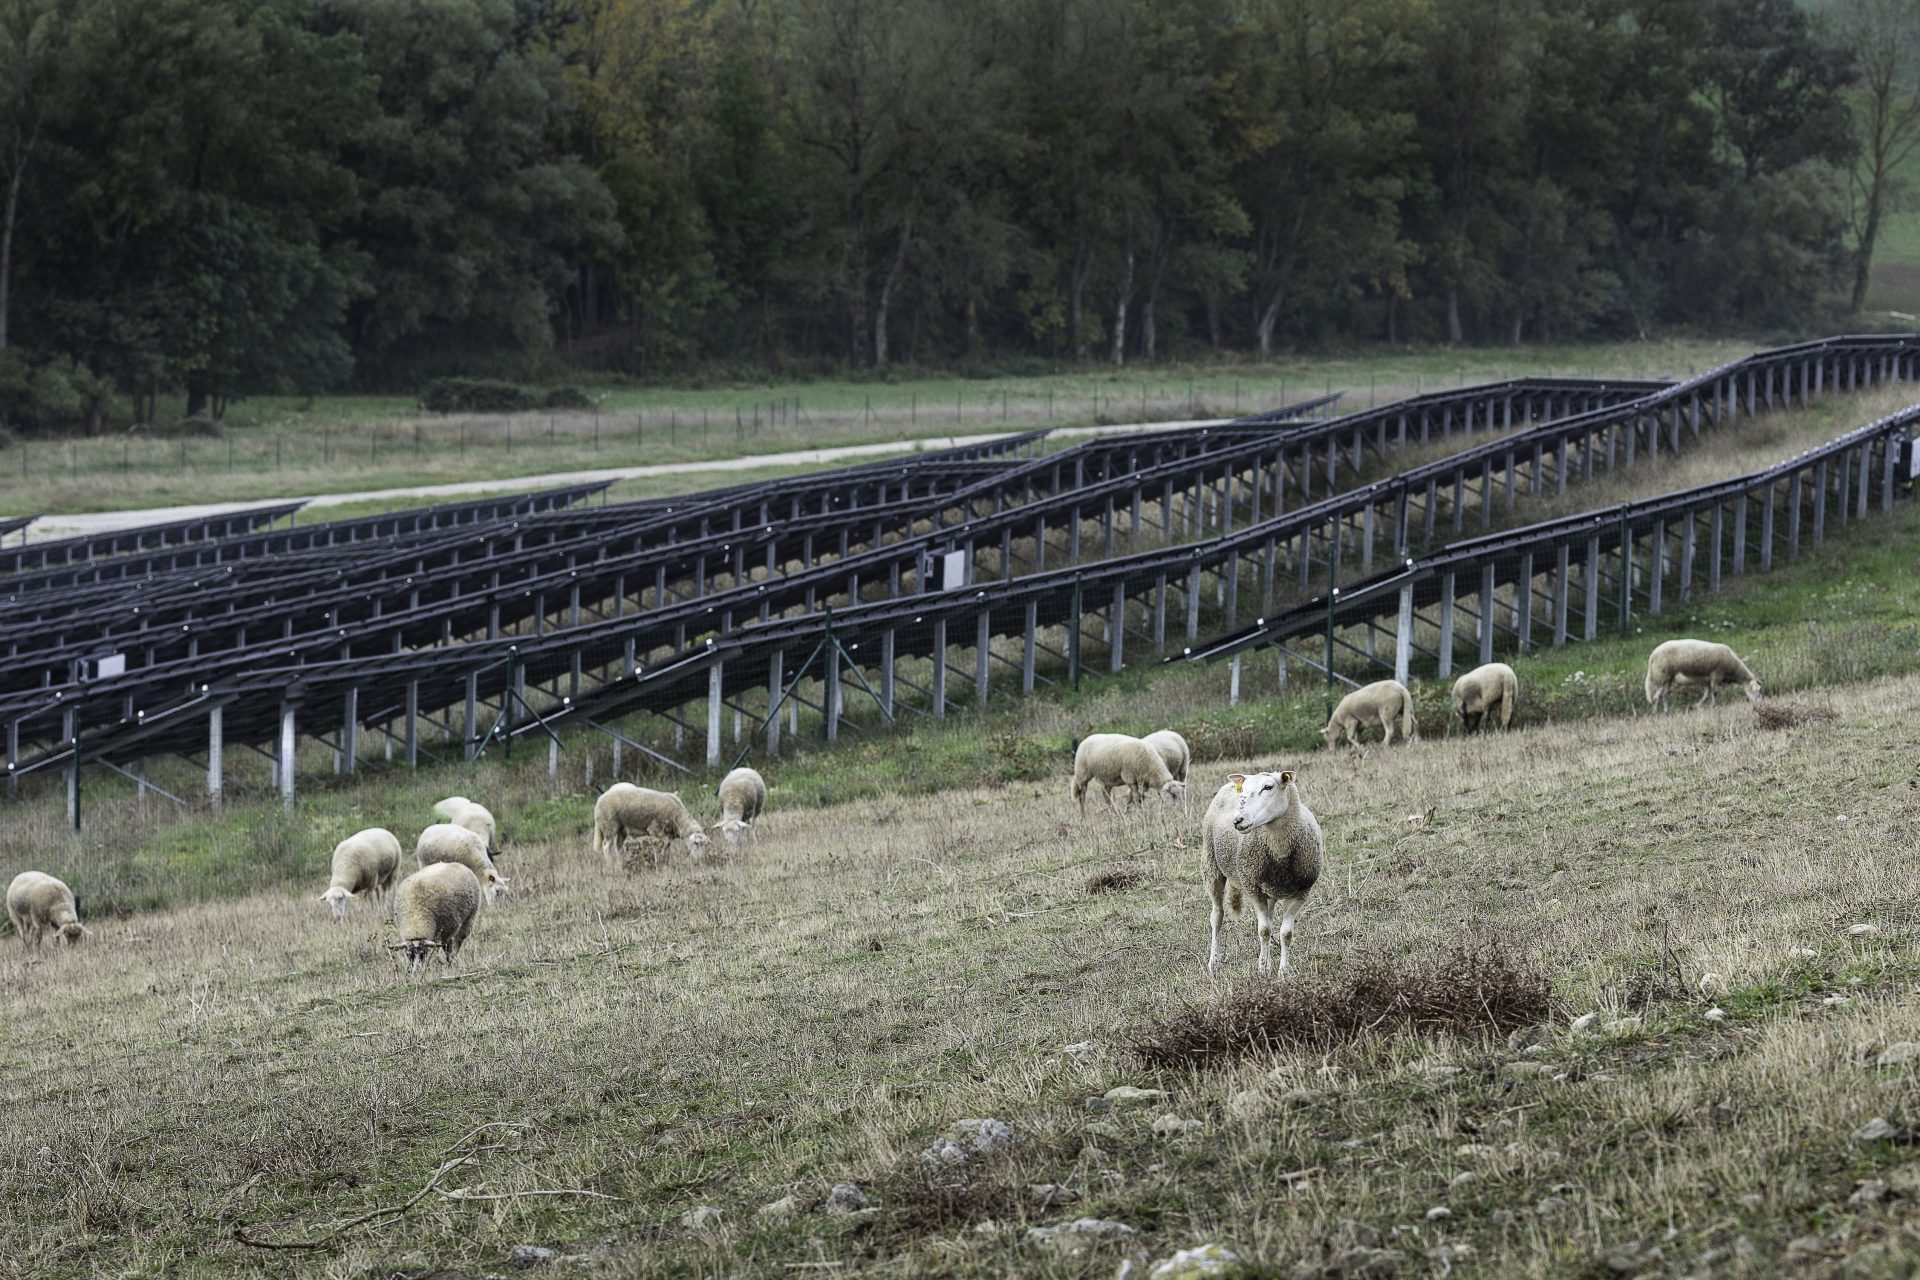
226 197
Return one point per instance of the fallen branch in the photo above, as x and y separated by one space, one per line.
392 1211
462 1193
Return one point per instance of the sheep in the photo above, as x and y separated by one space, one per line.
472 815
1173 749
1383 700
625 812
1681 664
444 842
1261 842
436 906
1117 760
365 862
743 794
37 902
1484 691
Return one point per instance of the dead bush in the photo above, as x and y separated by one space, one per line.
1115 879
1467 991
1785 715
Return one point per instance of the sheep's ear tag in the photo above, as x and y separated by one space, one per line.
1239 781
1286 778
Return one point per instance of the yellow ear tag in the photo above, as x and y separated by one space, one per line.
1240 786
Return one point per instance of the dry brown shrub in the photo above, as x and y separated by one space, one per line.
1785 715
1115 879
1468 991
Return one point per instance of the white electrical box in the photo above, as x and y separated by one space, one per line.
113 664
953 570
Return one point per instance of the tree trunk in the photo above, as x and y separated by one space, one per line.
1147 343
973 326
1862 256
198 393
1454 335
1269 316
1120 312
885 304
1076 295
19 170
1393 318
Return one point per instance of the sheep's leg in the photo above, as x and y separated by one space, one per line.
1291 909
1386 727
1106 793
1217 886
1262 910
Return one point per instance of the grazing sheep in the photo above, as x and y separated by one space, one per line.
444 842
1484 691
1261 843
436 906
1173 749
37 902
1384 701
365 862
1117 760
472 815
1682 664
625 812
743 794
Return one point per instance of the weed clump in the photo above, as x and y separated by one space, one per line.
1785 715
1116 879
1468 991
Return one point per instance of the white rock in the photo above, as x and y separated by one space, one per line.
1582 1022
779 1208
1862 930
1711 982
701 1218
1196 1264
1874 1130
968 1140
1126 1095
1439 1213
1899 1053
845 1198
1715 1014
1623 1026
1085 1048
1080 1234
1176 1126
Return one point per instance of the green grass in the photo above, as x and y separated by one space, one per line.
272 447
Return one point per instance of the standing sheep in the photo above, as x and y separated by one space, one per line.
436 906
1173 749
1682 664
1484 691
743 794
1262 843
365 862
37 902
444 842
472 815
1384 701
1118 760
625 812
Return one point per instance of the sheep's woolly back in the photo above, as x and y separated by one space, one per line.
37 901
625 812
1684 663
444 842
1279 860
743 794
436 905
476 818
1173 750
445 809
1117 759
366 860
1370 704
1485 688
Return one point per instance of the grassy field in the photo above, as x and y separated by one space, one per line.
271 447
617 1049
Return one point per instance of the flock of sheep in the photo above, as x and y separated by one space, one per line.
1261 842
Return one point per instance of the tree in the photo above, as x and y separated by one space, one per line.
1884 37
34 40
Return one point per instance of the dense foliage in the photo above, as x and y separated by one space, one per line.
223 197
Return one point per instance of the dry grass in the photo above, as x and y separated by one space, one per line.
819 1008
1465 992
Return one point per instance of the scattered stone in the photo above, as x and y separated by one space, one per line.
1174 1126
1051 1193
1297 1097
1502 1217
530 1255
1711 982
845 1198
1527 1037
1835 1001
1880 1129
1477 1150
1872 1191
1439 1213
1365 1264
702 1217
1549 1206
1098 1104
1125 1096
1582 1022
1626 1026
780 1208
1807 953
969 1140
1080 1234
1898 1054
1103 1129
1522 1070
1862 930
1630 1259
1198 1263
1463 1179
1715 1014
1085 1049
1802 1246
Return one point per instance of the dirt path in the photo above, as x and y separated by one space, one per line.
71 525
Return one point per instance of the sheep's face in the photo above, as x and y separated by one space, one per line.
496 885
698 842
336 897
1331 733
736 829
71 932
1753 690
1261 798
1175 791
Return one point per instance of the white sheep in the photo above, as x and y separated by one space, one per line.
37 902
471 814
436 906
625 812
1261 843
1682 664
365 862
1118 760
1383 701
1491 690
743 794
1173 749
444 842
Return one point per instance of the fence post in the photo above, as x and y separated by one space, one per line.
1403 634
216 753
715 683
1333 598
285 753
1073 637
